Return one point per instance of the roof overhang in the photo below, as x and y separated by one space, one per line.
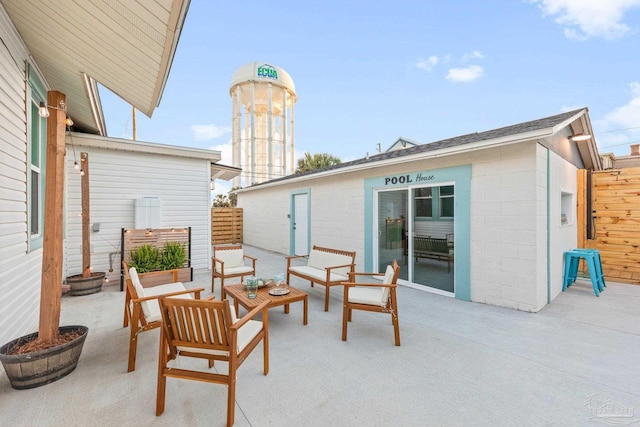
125 45
588 149
580 117
218 171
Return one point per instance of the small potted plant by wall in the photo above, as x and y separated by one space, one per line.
88 282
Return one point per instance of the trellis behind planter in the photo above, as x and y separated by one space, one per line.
157 237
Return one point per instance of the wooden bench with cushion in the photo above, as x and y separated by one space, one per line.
325 266
431 247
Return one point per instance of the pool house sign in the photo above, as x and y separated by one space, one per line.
267 71
408 179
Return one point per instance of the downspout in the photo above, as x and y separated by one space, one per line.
548 226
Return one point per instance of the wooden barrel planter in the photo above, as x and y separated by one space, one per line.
42 367
79 285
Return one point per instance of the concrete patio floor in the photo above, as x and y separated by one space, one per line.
460 364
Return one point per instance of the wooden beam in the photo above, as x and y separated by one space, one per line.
86 214
51 281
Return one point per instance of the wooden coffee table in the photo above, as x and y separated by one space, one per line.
239 294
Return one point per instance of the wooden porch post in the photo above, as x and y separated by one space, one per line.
51 282
86 212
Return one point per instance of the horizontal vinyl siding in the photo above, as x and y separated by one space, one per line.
19 269
117 179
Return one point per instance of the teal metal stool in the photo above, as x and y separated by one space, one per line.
594 265
598 263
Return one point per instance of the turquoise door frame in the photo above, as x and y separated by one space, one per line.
292 220
461 176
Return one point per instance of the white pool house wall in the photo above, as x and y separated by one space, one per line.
516 238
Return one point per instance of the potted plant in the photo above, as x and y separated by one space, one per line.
88 282
53 351
147 258
173 256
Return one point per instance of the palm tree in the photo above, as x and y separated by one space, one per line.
316 161
221 201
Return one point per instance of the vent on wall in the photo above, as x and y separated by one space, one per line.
147 211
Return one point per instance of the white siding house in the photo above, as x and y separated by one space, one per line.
123 171
89 45
504 200
20 256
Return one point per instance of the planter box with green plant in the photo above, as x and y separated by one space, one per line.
172 256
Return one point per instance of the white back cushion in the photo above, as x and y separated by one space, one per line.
388 275
321 260
231 257
388 279
133 273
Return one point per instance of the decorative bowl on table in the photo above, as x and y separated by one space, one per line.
262 283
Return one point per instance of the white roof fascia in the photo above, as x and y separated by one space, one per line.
118 144
458 149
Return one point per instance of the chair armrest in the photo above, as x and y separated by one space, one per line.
296 256
290 257
195 291
253 260
339 266
353 274
244 319
373 285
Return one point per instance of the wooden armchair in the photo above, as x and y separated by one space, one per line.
207 330
141 310
228 262
377 297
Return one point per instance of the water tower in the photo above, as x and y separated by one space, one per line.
263 97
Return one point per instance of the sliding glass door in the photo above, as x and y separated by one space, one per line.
392 229
416 226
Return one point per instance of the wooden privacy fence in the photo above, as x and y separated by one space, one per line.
615 207
226 225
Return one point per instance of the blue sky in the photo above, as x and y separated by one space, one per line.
369 72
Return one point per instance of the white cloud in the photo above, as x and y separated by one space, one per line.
619 127
628 115
476 54
582 19
226 155
427 64
207 132
466 74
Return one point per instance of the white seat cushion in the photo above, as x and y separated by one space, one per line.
231 258
150 308
245 334
367 295
318 273
234 270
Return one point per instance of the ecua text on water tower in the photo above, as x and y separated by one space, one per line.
263 97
